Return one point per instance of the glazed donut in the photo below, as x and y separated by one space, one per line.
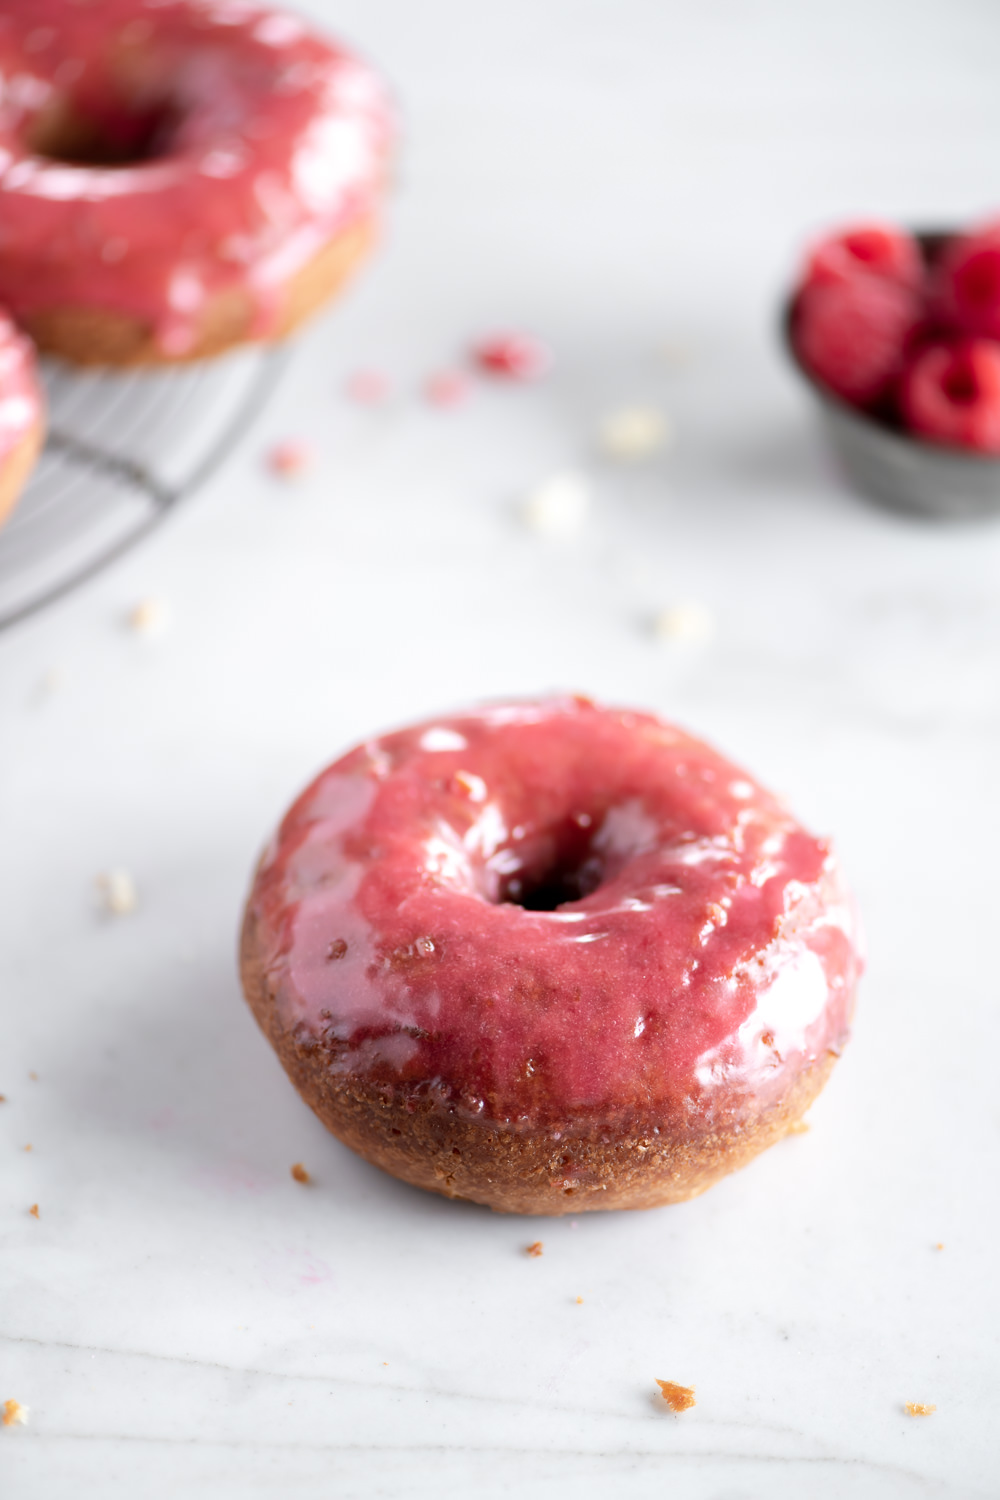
550 957
22 414
180 177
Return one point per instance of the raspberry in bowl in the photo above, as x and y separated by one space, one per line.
898 336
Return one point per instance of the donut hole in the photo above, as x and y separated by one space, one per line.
557 869
120 134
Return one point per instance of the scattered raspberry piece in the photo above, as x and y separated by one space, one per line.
535 1249
14 1414
300 1174
446 388
678 1397
868 249
289 459
969 283
950 393
367 387
515 355
918 1409
853 335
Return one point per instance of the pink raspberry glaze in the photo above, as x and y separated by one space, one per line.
263 142
21 405
703 954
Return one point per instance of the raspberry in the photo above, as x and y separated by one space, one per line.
969 285
871 249
852 335
951 394
516 355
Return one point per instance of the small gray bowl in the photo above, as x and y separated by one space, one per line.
893 467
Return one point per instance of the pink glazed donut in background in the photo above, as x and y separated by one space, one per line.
22 414
179 176
550 957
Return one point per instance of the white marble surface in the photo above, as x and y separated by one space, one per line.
184 1318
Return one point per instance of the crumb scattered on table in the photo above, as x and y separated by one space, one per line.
33 1077
579 1300
149 617
516 356
33 1211
29 1147
918 1408
939 1246
49 682
289 459
14 1414
534 1249
446 388
634 433
300 1174
368 387
558 506
117 891
684 622
799 1127
677 1397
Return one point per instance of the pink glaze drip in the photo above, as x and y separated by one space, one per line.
706 953
21 404
270 142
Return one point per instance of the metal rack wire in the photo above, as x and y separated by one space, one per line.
122 450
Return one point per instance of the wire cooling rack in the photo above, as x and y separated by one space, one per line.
122 450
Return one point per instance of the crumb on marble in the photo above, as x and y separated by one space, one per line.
117 891
300 1174
33 1211
939 1245
14 1414
799 1127
678 1397
534 1249
634 433
918 1408
558 506
579 1301
289 459
446 388
675 352
33 1077
684 622
50 682
515 356
29 1147
150 617
368 387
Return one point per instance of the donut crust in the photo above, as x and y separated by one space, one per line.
515 1171
101 336
17 467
